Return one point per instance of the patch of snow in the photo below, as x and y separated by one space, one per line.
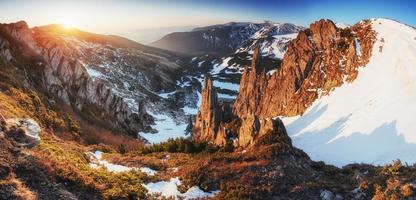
148 171
342 25
166 95
357 46
370 120
93 73
200 63
170 189
166 189
226 85
219 67
126 85
271 72
196 193
226 96
131 103
279 46
97 161
190 111
166 128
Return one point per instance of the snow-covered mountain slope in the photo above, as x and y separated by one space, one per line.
370 120
223 39
272 38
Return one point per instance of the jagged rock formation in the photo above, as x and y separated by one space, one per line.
207 120
318 60
211 116
213 120
65 76
252 86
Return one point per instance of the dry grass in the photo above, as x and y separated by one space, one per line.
20 191
18 103
393 181
92 134
66 160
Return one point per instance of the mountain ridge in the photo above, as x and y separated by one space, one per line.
218 39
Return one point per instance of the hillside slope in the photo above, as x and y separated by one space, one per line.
370 120
110 79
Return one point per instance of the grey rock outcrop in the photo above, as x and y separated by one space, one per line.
24 131
65 76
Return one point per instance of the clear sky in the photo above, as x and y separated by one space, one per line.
122 16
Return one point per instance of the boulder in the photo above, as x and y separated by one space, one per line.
24 131
327 195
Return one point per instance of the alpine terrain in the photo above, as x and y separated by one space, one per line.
239 110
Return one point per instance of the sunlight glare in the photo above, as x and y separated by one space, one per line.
69 21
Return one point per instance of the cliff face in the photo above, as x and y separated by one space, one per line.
320 59
64 76
215 122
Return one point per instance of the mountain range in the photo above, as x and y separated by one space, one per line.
268 111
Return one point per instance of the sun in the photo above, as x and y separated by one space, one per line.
69 22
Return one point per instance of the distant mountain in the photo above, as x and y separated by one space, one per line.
149 35
226 68
224 38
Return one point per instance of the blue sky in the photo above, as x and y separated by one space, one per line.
304 12
128 16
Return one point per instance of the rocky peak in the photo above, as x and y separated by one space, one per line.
209 95
252 85
208 118
20 32
319 59
323 32
220 124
